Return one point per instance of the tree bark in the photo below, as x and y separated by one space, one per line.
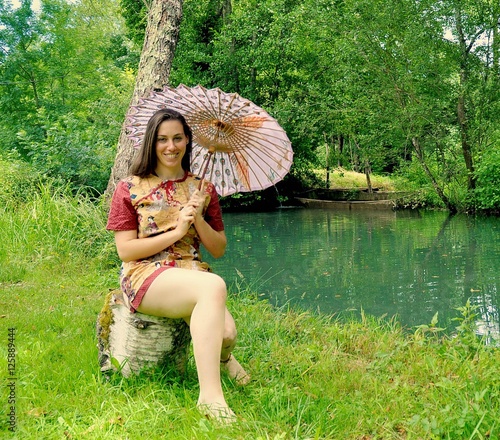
341 150
368 170
133 342
327 154
461 102
496 44
162 34
418 150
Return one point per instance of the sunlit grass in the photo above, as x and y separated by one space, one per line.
341 178
314 377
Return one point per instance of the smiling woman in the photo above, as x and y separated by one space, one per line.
160 217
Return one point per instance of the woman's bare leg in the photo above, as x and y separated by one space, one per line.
182 293
228 361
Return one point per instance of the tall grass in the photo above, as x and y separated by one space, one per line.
50 225
313 377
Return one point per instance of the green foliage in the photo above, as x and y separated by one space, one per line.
63 99
135 13
77 148
466 349
487 192
123 53
377 82
378 74
43 222
17 180
421 194
466 329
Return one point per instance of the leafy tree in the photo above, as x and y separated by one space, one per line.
135 13
62 95
408 87
382 85
486 196
474 35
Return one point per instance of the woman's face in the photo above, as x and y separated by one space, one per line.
171 145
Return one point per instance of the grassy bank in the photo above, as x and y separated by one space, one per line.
340 178
313 376
418 195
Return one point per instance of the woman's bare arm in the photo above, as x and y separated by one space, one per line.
214 241
132 248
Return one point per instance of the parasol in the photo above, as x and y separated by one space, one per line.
237 145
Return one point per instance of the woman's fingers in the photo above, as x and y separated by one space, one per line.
198 198
192 208
186 217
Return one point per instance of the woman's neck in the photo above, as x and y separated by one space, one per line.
170 175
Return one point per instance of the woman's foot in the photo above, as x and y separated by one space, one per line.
235 371
220 412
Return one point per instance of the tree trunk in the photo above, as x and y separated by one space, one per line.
418 149
461 106
356 159
341 150
466 148
496 41
327 161
133 342
162 33
368 170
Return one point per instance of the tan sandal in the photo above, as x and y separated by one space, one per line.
222 415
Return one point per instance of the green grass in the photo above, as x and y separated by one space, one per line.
314 377
341 178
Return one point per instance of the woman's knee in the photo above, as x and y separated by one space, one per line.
216 287
220 283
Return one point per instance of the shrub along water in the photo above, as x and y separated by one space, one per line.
314 377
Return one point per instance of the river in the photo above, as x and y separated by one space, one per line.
407 264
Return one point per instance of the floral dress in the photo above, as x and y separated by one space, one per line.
151 206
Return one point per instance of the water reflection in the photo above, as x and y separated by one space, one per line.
407 264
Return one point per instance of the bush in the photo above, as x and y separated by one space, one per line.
73 150
487 192
18 179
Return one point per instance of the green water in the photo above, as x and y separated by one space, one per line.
407 264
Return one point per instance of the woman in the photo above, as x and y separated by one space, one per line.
159 218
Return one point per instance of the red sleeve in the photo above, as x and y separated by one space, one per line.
213 215
122 215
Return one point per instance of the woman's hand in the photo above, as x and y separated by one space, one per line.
191 212
187 215
197 201
214 241
132 248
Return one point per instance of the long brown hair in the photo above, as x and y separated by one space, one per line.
145 161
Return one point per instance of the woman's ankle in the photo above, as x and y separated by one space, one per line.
235 371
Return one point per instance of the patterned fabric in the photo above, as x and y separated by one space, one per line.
151 206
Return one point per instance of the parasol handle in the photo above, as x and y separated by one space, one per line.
211 151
